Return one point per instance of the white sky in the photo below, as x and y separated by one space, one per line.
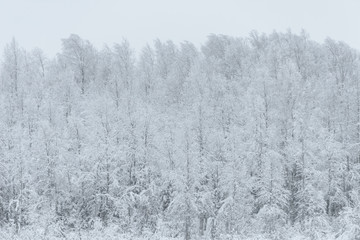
43 23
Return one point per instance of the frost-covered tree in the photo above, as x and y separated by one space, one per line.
240 138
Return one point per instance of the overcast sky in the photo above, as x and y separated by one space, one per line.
43 23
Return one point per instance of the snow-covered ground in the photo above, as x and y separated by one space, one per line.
113 234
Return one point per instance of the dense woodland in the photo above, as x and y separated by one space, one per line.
242 137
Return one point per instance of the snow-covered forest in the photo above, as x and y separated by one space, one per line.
240 138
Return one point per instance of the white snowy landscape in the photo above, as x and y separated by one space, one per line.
234 129
244 138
